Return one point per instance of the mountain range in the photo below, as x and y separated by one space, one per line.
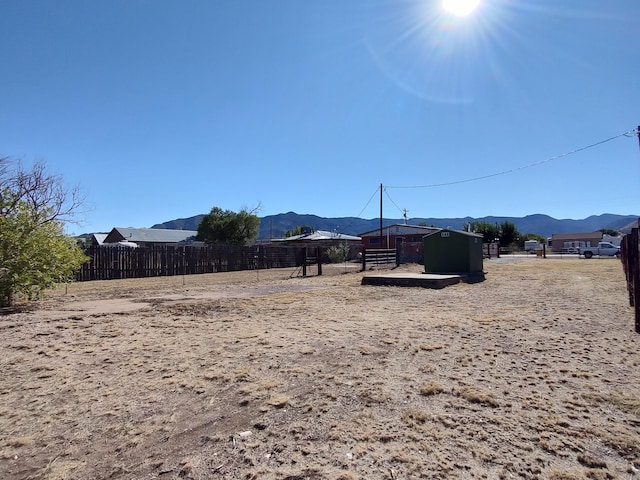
274 226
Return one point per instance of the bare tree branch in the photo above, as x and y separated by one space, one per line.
42 194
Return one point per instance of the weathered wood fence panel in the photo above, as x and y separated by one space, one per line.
309 256
107 263
630 256
379 257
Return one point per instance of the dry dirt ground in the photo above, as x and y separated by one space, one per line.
533 373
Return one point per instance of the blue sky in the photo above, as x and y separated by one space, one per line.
163 109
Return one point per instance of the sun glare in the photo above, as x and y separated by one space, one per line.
460 8
441 51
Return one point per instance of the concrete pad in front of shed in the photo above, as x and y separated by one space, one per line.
425 280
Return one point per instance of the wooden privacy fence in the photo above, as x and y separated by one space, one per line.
107 263
630 256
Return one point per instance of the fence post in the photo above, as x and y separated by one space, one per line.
319 258
304 261
635 273
630 256
399 250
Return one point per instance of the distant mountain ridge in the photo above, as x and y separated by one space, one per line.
274 226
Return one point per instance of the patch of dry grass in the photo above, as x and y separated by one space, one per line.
625 401
432 388
278 400
565 475
478 395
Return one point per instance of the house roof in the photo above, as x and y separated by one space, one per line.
99 238
576 236
627 228
401 229
317 236
149 235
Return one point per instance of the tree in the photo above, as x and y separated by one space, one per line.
608 231
508 234
35 254
228 227
338 253
489 231
299 230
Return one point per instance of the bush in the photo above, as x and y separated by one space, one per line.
338 253
35 253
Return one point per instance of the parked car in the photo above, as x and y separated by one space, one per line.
604 249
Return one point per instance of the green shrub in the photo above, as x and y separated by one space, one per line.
338 253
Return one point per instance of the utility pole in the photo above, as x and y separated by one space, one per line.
381 235
404 213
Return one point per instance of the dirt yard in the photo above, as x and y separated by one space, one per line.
533 373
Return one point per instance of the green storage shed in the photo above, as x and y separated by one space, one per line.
452 251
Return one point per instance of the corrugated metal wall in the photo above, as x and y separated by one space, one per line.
450 251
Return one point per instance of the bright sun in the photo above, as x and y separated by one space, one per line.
460 7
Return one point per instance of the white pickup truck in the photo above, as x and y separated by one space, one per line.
604 249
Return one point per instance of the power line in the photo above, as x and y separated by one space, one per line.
396 205
365 207
625 134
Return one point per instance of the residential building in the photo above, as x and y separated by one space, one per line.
393 234
320 238
571 242
146 237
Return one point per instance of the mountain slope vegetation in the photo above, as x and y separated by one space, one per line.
274 226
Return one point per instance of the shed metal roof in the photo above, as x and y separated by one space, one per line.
150 235
460 232
319 235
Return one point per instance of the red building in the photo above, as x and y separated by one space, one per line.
391 234
410 236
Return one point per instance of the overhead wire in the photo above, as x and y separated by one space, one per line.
629 133
368 202
512 170
394 203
